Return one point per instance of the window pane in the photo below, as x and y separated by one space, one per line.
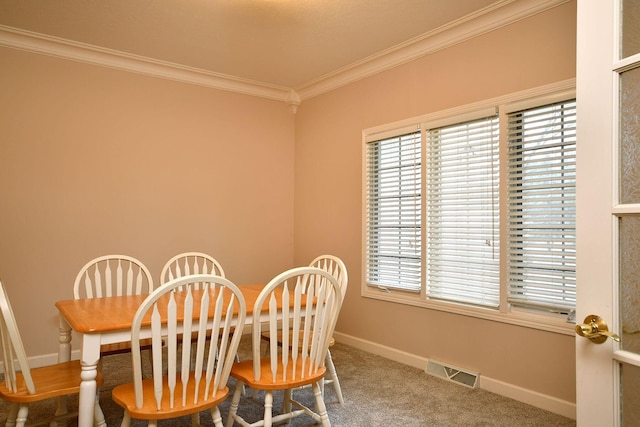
630 28
629 141
463 213
541 207
394 212
629 231
630 394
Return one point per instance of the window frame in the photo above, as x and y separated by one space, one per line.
505 313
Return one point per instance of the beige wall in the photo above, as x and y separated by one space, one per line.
96 161
328 204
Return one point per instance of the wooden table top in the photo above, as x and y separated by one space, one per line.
96 315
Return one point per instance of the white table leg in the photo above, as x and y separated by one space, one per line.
88 386
64 340
64 355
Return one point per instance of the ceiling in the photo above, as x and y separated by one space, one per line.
280 49
284 43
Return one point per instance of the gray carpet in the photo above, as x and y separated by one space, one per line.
377 392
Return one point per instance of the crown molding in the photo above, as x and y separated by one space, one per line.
62 48
483 21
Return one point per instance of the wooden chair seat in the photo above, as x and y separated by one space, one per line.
243 371
61 379
331 376
124 396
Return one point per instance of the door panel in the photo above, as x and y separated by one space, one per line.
608 209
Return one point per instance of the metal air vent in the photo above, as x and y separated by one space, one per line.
452 373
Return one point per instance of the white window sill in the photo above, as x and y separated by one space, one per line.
547 322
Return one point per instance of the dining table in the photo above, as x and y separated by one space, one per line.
108 320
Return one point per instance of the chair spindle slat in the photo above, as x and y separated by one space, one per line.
172 347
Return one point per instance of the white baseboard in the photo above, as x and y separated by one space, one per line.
530 397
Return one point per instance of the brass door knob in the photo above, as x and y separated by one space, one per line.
595 329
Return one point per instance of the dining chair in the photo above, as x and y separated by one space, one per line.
113 275
211 306
337 268
23 385
303 305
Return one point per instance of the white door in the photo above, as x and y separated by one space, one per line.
608 212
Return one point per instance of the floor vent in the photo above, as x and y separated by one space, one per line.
451 373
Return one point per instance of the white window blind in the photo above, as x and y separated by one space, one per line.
463 213
541 207
393 229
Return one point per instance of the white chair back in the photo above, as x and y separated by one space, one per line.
336 267
13 354
303 306
212 311
112 275
188 263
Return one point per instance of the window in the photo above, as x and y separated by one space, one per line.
461 187
394 212
463 212
541 205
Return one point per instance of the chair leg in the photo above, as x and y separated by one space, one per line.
62 408
98 416
12 415
195 420
328 361
254 394
244 389
321 408
233 408
286 401
126 420
21 418
268 408
216 416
